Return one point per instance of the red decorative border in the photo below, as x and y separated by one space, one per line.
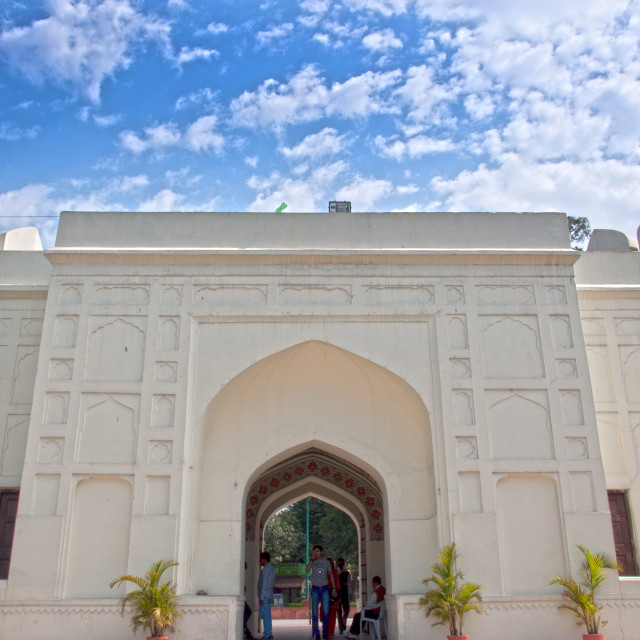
314 463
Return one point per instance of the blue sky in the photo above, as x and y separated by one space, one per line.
233 105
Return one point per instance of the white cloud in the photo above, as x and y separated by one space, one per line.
380 41
275 33
190 54
80 44
20 206
201 135
217 27
385 7
306 97
203 99
415 147
364 192
158 137
11 132
404 189
129 183
317 145
251 161
606 191
479 106
182 177
107 120
29 201
165 200
422 93
322 38
307 193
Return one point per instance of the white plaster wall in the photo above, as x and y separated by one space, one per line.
609 291
148 344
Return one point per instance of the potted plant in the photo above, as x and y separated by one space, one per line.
582 597
451 598
154 605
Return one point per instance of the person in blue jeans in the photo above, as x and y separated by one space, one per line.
322 588
265 593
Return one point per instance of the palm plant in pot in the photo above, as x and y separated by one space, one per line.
582 597
451 598
154 604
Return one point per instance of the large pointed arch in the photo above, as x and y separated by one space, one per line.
334 409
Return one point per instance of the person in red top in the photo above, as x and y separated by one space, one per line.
372 607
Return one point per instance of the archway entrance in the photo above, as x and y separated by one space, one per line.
317 473
314 420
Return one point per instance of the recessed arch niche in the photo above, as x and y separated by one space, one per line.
314 399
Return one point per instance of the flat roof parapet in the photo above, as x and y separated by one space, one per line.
248 231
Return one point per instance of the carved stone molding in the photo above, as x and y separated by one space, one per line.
314 463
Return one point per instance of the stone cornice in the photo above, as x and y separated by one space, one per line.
399 256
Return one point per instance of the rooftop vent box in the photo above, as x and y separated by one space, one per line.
339 207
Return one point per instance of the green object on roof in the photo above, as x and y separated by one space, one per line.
281 208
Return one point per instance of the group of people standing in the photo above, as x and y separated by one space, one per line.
330 596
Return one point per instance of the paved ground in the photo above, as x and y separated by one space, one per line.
295 630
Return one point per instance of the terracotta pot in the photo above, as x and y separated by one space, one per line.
458 637
158 638
593 636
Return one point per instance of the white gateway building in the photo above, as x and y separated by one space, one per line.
170 380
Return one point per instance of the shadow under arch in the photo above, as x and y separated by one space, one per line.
355 413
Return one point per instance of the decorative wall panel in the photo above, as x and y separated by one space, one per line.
101 520
584 500
397 294
109 428
470 492
162 411
463 407
561 332
511 347
51 450
168 334
592 326
46 492
31 327
121 294
314 294
171 294
70 294
65 332
506 294
627 326
577 448
60 369
600 372
572 413
533 524
56 407
630 359
466 448
156 499
115 350
613 459
519 425
24 374
566 368
457 332
14 445
230 294
555 294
